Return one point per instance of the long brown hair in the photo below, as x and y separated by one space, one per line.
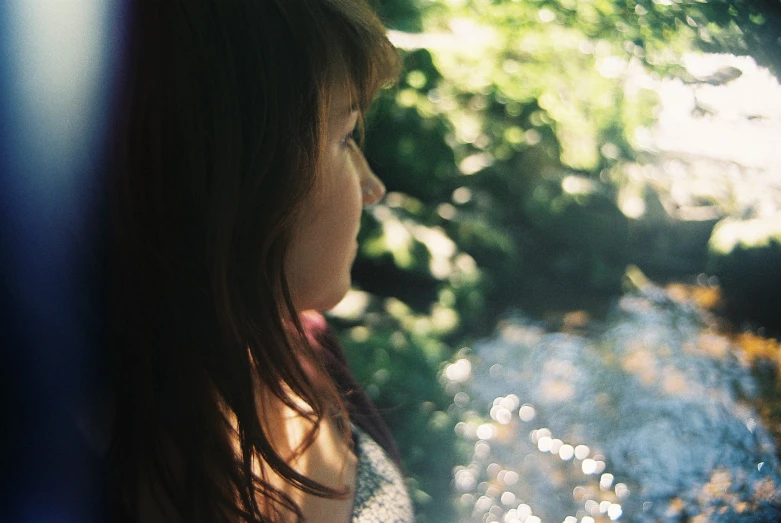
217 142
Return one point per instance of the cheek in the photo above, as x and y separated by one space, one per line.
348 203
323 251
342 199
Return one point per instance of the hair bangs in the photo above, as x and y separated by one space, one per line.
357 43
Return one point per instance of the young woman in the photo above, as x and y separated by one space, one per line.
239 187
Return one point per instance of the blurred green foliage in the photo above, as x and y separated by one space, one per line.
500 147
399 370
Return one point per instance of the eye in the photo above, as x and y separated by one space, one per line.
350 138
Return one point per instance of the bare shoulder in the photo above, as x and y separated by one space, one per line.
329 460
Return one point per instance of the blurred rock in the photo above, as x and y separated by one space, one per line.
746 258
671 240
584 234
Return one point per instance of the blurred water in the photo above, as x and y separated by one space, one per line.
641 418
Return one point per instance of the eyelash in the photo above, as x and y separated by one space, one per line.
349 137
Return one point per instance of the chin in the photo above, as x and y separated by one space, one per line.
334 301
326 300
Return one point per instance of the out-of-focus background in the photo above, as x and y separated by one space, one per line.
568 307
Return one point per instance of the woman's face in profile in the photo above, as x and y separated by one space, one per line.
325 242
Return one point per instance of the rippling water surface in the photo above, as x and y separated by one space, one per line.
642 418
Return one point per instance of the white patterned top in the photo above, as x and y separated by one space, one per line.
380 494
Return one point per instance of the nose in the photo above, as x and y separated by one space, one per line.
372 188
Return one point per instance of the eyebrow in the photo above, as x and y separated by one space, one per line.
345 113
